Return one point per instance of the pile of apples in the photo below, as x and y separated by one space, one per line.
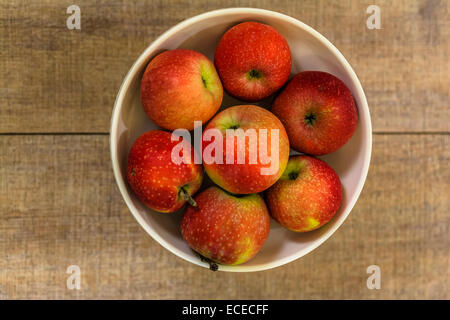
314 114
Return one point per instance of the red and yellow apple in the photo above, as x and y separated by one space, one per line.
225 228
318 112
156 180
307 196
253 60
255 156
179 87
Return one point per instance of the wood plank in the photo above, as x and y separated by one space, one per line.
56 80
59 205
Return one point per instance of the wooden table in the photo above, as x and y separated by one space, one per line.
59 204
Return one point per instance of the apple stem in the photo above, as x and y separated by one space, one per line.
187 197
212 265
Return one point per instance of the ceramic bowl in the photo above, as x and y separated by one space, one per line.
310 51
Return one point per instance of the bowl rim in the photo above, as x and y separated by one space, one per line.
137 65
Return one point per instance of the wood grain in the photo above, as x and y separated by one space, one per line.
59 205
56 80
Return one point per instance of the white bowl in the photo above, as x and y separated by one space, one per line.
310 51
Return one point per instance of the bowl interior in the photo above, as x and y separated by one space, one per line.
310 51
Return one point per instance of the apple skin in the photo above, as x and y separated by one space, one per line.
179 87
225 228
253 61
307 196
246 178
318 112
155 179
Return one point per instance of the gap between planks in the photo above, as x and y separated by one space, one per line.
107 133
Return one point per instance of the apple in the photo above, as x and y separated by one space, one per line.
318 112
156 180
307 196
253 61
225 228
242 167
179 87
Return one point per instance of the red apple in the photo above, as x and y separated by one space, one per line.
225 228
307 195
156 180
179 87
242 169
318 112
253 61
